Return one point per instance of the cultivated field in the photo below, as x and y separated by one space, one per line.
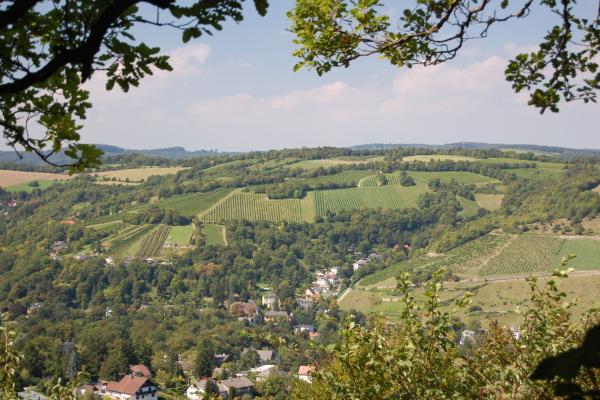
464 260
491 202
526 254
136 174
253 207
587 252
367 197
152 244
10 178
127 242
192 204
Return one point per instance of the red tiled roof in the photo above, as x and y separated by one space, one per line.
128 385
141 370
306 369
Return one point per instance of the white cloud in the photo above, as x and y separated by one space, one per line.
189 59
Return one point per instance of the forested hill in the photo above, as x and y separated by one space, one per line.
110 151
563 152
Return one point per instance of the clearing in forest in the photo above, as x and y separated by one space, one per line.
214 234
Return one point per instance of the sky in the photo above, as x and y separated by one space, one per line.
236 91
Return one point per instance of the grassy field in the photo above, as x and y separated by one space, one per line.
180 235
470 207
109 226
438 157
491 202
526 254
367 197
498 300
308 207
214 233
10 179
136 174
463 261
424 177
254 207
25 186
587 252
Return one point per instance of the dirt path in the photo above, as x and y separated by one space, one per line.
508 278
344 294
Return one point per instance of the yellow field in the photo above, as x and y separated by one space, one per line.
498 300
137 174
10 178
438 157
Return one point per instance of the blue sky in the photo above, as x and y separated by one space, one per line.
236 91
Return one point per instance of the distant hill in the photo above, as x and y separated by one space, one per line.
169 152
563 152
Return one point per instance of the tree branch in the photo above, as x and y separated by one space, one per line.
16 10
82 54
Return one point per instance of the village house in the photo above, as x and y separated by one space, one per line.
303 328
238 386
269 300
305 302
304 372
220 358
264 371
265 355
273 316
131 387
197 390
360 263
141 370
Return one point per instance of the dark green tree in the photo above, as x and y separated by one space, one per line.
204 362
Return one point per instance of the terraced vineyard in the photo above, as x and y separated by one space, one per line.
526 254
254 207
152 244
192 204
491 202
587 253
367 197
463 260
126 243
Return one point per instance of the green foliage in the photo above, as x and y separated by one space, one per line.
50 49
9 362
204 361
334 33
417 358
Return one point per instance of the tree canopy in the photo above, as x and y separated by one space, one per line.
334 33
49 49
